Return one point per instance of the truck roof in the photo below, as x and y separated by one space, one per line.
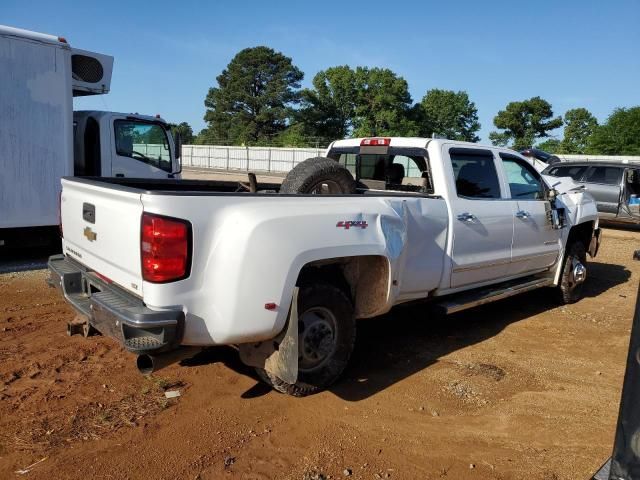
595 163
409 142
100 113
5 30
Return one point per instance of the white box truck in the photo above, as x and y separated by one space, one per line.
42 139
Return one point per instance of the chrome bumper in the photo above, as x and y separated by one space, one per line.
113 311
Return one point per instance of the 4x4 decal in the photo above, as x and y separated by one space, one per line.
347 224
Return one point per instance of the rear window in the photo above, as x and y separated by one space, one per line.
475 175
390 171
604 175
348 160
575 171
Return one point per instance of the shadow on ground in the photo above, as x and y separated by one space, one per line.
604 276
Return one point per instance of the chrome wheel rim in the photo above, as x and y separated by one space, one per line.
317 337
578 271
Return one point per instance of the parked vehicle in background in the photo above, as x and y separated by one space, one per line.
615 187
42 139
166 266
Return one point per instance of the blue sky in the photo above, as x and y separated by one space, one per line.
167 54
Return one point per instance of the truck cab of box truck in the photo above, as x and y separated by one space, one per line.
110 144
42 139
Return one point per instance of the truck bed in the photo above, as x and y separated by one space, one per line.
169 186
176 186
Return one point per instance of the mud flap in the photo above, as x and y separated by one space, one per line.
594 245
278 356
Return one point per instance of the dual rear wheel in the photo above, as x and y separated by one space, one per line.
326 337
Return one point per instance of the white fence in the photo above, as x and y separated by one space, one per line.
267 159
273 159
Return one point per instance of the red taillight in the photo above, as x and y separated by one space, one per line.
164 248
375 142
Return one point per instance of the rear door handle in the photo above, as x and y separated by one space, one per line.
119 174
466 217
522 214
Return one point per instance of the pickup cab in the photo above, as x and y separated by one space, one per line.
283 272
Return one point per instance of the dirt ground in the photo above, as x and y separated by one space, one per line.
520 389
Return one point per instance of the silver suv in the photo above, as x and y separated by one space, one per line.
615 186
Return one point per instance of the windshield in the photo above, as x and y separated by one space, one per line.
143 141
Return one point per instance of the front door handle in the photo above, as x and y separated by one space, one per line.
466 217
522 214
119 175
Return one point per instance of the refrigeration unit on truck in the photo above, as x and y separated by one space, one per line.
42 139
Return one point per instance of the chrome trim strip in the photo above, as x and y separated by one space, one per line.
497 263
499 295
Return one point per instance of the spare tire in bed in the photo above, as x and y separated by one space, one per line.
319 175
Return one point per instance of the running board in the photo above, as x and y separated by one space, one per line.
492 293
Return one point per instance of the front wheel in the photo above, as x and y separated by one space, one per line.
574 274
326 337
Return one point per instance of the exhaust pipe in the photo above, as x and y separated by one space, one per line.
148 364
74 329
79 326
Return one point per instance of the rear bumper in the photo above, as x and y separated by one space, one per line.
114 312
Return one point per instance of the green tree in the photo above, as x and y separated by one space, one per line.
619 135
293 136
579 125
383 104
328 109
254 97
185 131
449 114
552 145
524 122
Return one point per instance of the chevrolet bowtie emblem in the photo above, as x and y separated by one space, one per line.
90 234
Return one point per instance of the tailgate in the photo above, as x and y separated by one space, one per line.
101 230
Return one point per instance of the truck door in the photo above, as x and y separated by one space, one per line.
605 184
536 245
91 150
140 149
482 221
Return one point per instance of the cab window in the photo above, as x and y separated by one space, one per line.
475 173
143 141
573 171
348 160
604 175
524 181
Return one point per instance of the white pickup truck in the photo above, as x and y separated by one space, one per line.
170 266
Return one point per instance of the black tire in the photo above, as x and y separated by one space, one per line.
570 291
313 377
319 175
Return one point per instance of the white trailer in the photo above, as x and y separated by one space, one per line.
42 139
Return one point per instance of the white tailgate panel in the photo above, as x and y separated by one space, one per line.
115 252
